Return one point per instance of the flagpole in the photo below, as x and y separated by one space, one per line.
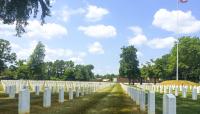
177 62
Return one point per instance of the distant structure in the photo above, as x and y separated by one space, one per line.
105 80
122 80
115 80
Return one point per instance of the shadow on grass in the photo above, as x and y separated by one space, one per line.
116 102
107 101
76 106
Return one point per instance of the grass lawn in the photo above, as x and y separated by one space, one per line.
184 105
110 100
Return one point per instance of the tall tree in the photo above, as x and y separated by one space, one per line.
19 11
189 58
36 62
129 63
22 70
6 57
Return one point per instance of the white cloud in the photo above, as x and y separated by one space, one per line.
160 43
99 31
66 13
136 30
48 30
139 54
51 54
7 30
52 2
57 53
167 20
140 39
95 13
23 53
35 30
96 48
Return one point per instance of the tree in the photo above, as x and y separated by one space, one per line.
6 57
36 62
189 62
19 12
129 63
22 70
84 72
189 58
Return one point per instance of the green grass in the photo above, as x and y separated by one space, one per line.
116 102
184 105
110 100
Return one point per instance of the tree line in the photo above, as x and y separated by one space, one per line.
164 68
37 69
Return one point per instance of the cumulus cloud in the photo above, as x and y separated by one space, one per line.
167 20
7 30
51 54
48 30
23 53
35 30
160 43
99 31
137 40
95 13
66 13
140 39
136 30
96 48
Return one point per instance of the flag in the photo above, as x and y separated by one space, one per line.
183 1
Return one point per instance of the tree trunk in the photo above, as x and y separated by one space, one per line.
154 81
129 81
141 80
133 81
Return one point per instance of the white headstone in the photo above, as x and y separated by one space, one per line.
137 97
37 90
165 89
47 97
77 91
61 95
194 93
170 90
169 104
176 91
82 91
184 92
12 91
24 102
142 100
70 94
151 102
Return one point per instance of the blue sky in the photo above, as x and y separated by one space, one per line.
93 31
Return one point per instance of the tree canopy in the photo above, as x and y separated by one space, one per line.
35 68
5 54
129 63
20 11
189 62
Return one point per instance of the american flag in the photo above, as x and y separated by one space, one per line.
183 1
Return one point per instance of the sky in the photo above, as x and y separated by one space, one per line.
93 31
